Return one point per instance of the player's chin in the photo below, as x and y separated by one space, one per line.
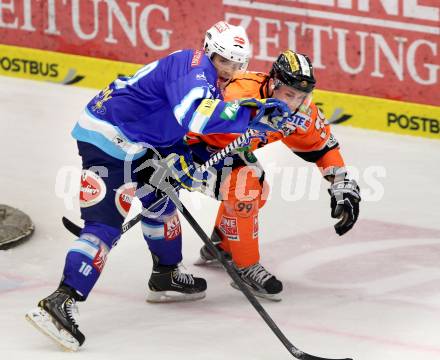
223 82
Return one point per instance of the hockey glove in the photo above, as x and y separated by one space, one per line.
344 203
272 114
184 171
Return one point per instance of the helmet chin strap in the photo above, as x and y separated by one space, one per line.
306 102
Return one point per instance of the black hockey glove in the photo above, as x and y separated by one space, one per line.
344 202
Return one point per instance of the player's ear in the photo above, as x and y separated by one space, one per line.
271 84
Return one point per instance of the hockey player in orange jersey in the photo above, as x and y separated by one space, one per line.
241 191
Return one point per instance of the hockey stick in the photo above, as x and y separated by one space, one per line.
218 156
229 267
75 229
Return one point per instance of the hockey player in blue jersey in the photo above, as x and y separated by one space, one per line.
140 118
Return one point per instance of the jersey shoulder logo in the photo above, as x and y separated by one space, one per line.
197 58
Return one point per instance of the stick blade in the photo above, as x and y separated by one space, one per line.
73 228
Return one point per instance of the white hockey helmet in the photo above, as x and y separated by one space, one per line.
229 41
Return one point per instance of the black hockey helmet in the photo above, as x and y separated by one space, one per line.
295 70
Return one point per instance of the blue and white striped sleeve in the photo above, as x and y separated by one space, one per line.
195 109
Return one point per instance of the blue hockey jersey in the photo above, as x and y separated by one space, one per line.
158 106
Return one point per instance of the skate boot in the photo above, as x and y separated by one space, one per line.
261 282
53 317
169 284
206 257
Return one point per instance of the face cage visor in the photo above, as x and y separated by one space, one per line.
301 102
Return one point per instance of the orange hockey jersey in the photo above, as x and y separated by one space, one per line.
312 140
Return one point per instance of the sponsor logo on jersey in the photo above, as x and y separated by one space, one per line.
124 197
331 141
172 228
207 107
302 121
230 111
216 94
100 259
99 100
255 227
228 226
92 189
197 58
413 123
201 76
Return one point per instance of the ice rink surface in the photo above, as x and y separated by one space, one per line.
373 294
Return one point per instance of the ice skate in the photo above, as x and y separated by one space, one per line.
261 282
53 317
169 284
206 257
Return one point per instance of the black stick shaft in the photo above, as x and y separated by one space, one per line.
227 264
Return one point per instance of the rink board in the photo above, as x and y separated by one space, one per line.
380 114
61 68
340 108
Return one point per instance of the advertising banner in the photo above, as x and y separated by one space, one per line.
371 49
380 114
61 68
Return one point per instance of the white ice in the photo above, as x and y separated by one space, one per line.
373 294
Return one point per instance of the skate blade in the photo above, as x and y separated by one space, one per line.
172 296
271 297
214 263
44 322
